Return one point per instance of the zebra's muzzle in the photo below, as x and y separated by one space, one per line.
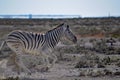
75 40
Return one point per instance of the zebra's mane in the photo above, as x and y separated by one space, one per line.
55 28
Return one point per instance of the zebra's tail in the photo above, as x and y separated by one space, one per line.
3 43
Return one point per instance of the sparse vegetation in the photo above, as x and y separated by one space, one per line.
96 54
11 78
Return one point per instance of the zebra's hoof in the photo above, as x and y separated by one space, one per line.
44 69
18 73
29 73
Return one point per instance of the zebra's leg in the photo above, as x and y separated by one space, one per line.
16 47
21 64
13 60
46 62
54 59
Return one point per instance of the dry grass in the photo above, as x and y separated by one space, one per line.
91 56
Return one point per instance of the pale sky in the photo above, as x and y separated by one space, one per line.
85 8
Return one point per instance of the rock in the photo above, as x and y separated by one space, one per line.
117 73
100 65
82 64
107 72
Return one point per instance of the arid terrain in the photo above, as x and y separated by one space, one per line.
96 56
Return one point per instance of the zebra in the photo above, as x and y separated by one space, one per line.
21 42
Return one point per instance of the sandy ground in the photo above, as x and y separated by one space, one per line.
62 70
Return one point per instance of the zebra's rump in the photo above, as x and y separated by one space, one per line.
28 40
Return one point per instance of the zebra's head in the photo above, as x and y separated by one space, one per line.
69 35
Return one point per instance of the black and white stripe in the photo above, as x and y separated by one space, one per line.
37 43
30 41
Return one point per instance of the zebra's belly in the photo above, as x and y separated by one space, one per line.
32 52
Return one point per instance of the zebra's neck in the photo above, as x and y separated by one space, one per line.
54 36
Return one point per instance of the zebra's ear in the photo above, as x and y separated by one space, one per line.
67 26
